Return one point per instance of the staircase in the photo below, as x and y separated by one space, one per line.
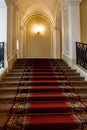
40 94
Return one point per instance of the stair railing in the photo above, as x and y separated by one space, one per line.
1 55
81 54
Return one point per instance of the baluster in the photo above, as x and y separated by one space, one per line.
1 54
81 54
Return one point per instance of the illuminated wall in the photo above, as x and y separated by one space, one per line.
37 43
83 10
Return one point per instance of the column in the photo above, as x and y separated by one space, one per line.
54 42
71 33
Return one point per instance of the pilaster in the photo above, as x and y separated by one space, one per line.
70 28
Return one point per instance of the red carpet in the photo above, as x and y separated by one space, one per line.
48 82
41 122
41 89
42 70
51 122
41 96
43 73
44 88
43 78
43 102
42 67
45 107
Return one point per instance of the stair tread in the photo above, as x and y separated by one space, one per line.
5 107
52 121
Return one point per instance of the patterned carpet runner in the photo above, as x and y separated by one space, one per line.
44 98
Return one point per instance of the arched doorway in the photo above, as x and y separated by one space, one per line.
37 43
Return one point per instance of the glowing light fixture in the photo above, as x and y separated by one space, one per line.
38 29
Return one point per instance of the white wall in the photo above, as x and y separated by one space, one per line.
3 32
3 25
70 29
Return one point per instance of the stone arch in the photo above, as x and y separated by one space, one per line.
45 22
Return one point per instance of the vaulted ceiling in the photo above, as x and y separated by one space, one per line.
48 7
51 4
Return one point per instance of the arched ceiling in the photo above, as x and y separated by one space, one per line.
48 7
51 4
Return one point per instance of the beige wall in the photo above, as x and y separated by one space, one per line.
37 45
83 10
11 33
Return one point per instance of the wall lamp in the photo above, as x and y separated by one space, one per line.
38 29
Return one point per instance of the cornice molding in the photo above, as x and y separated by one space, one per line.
67 2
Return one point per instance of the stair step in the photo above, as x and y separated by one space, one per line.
45 107
80 89
3 120
42 107
72 78
5 107
34 89
14 74
10 83
47 77
80 83
33 78
33 122
7 96
43 94
8 90
49 82
83 96
71 74
46 96
41 97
